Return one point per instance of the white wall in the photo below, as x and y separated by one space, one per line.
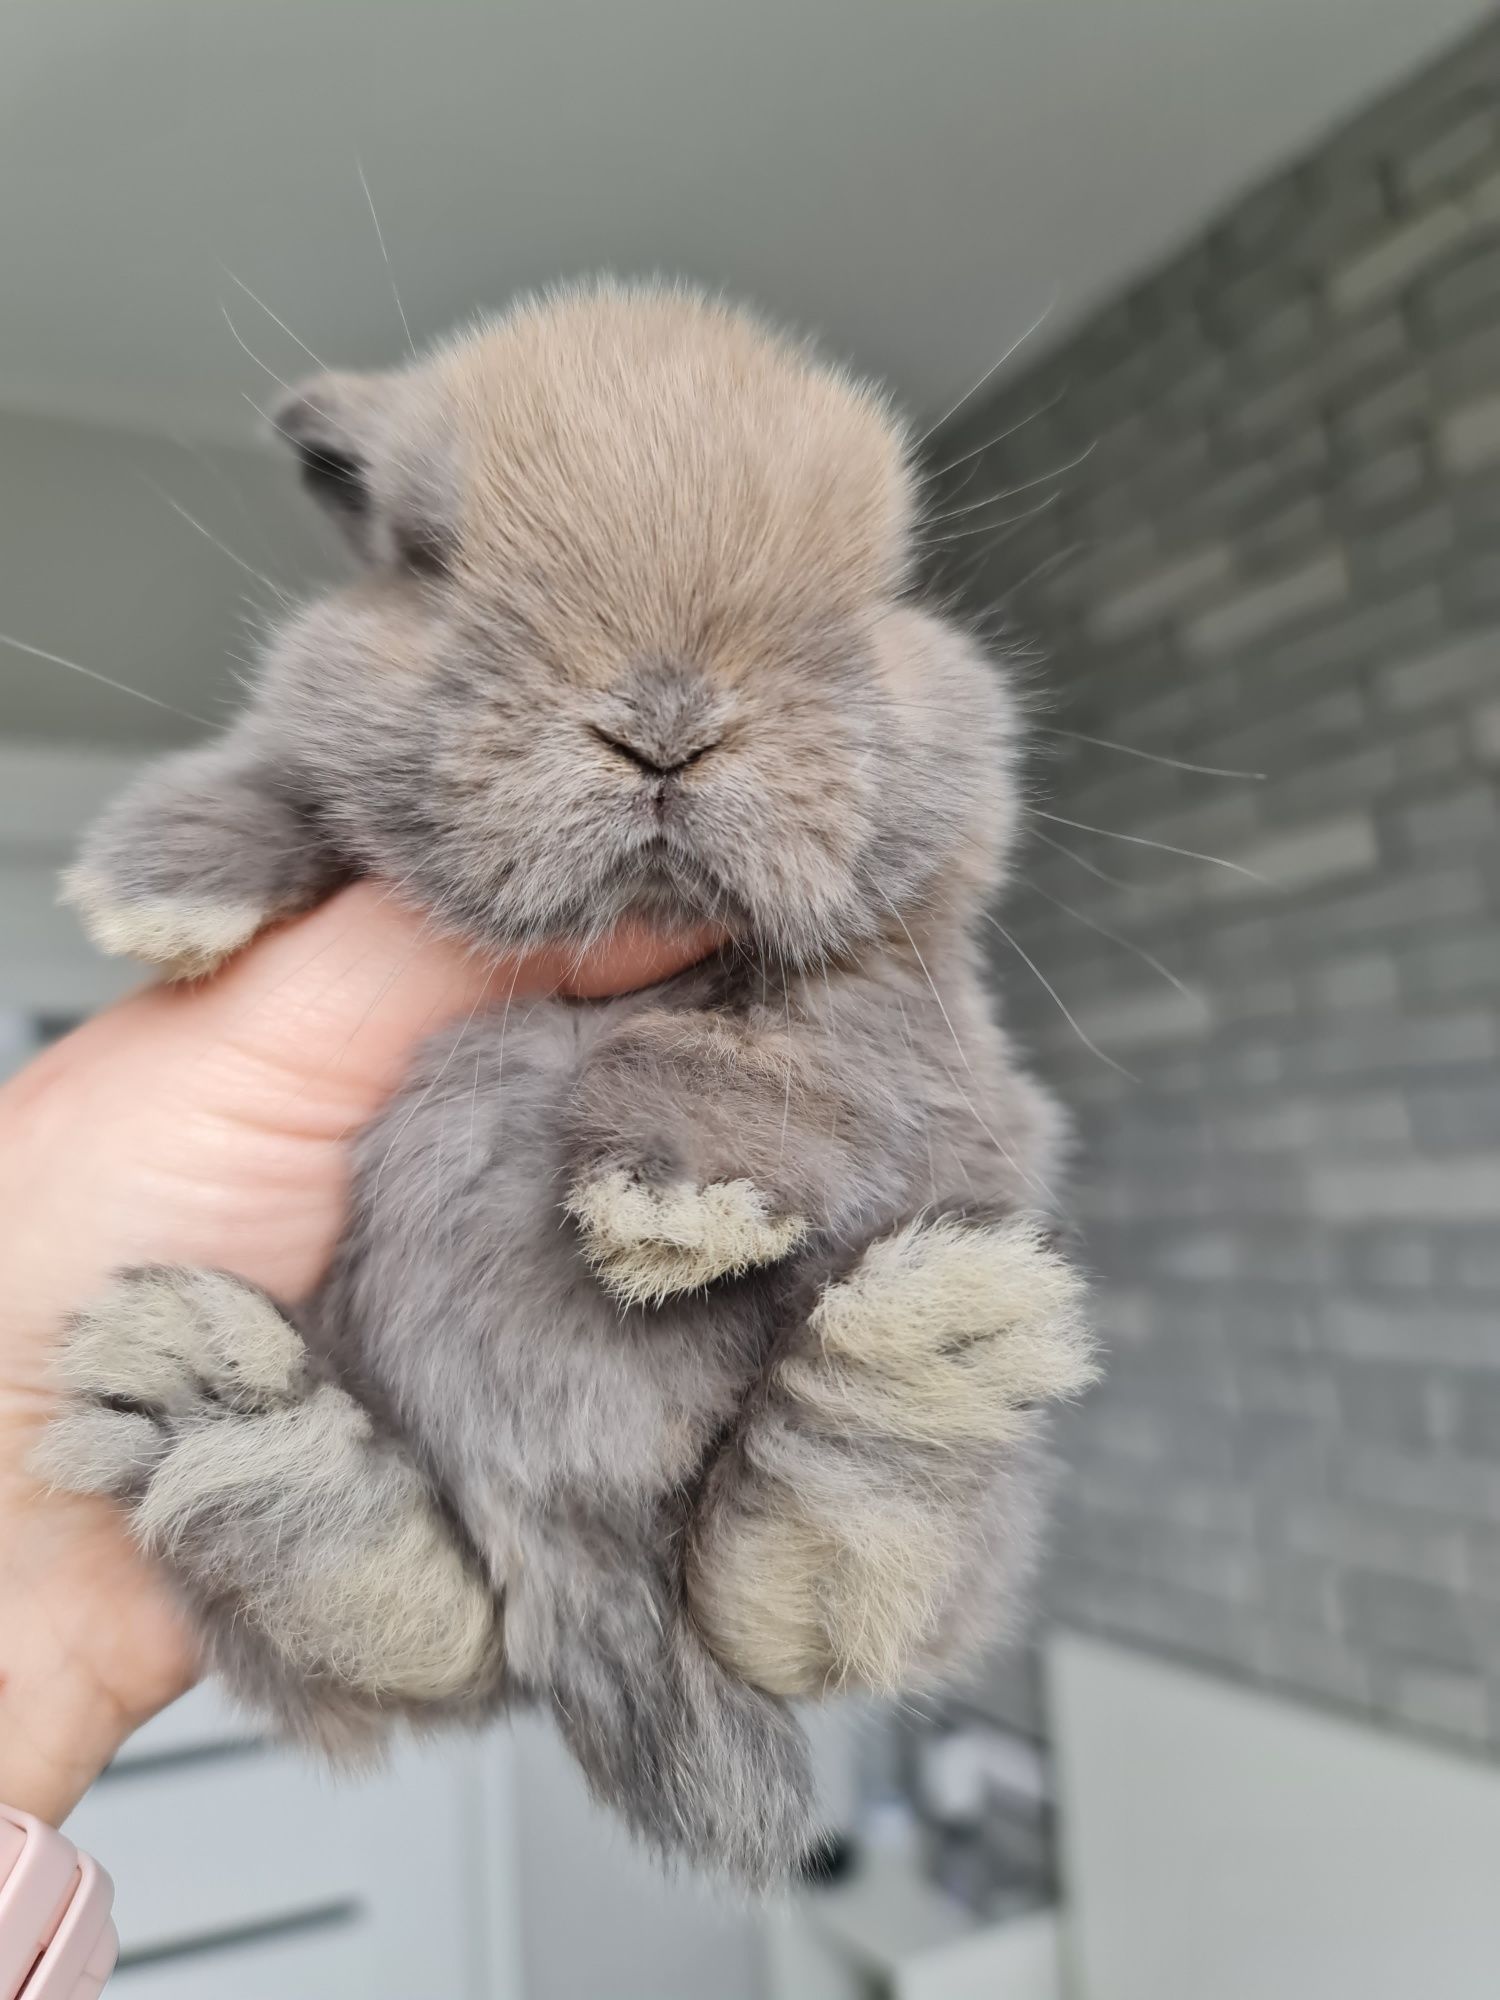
1220 1843
47 966
599 1921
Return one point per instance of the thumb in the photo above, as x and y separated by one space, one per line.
316 1023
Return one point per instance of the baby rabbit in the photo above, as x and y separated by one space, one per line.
683 1352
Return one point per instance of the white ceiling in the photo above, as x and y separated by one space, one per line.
916 178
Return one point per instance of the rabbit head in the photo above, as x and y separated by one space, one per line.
632 635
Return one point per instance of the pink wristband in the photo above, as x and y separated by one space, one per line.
56 1938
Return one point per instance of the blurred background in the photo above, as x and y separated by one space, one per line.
1231 501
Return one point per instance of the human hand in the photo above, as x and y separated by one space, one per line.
202 1125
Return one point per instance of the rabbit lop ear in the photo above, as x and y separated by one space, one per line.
331 422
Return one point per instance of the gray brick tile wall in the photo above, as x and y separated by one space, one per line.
1469 437
1272 544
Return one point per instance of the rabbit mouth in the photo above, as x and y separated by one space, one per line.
677 881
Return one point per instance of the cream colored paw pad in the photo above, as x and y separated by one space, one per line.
648 1243
389 1606
946 1331
90 1449
802 1606
185 939
162 1333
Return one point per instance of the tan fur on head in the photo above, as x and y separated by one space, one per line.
708 464
632 470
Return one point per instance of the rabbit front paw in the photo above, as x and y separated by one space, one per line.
183 937
650 1237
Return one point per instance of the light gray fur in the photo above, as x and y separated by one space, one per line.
795 1442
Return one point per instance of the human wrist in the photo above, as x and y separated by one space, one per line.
53 1745
86 1654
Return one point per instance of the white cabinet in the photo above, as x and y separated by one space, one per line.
287 1967
243 1870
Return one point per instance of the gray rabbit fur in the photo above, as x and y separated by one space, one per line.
684 1352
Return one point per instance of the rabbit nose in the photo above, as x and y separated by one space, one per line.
651 756
661 716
